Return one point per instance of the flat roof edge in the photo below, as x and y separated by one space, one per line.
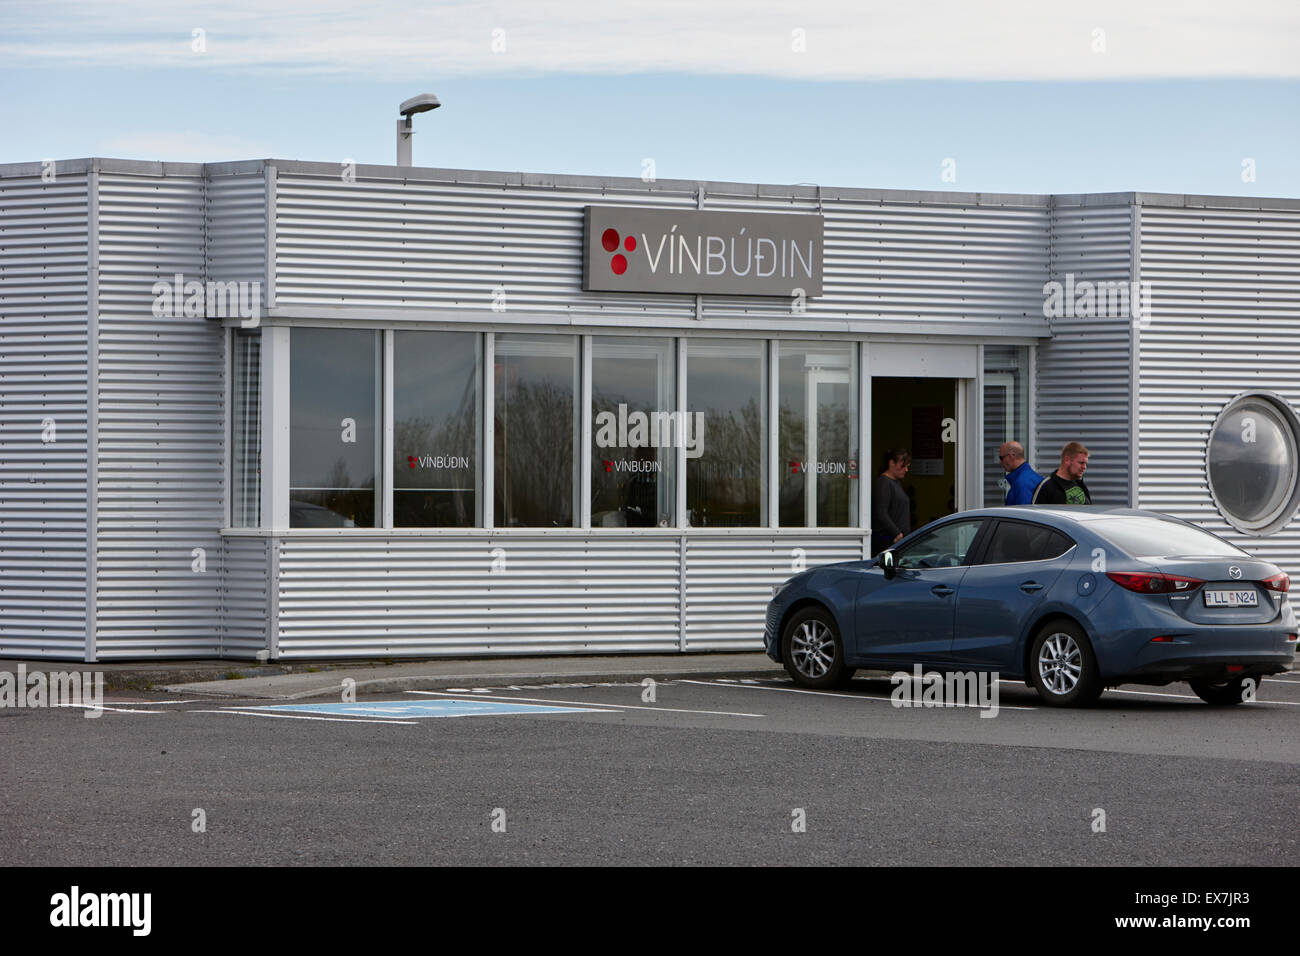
634 184
626 185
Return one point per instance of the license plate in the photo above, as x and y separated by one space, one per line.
1245 598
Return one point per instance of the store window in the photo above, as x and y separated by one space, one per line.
635 432
535 426
1006 413
818 435
246 429
1252 461
726 395
334 396
436 433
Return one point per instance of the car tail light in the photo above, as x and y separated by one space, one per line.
1278 582
1163 639
1292 637
1153 582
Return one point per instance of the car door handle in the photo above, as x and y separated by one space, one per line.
942 590
1029 586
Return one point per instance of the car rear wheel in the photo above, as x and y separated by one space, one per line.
812 650
1063 667
1226 692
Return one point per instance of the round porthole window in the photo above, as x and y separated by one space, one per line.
1253 462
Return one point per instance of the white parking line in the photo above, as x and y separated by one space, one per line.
1152 693
826 693
116 710
164 703
341 720
588 703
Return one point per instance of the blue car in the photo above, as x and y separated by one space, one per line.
1069 599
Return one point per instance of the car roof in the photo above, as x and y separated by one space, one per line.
1067 513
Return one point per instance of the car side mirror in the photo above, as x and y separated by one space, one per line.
887 562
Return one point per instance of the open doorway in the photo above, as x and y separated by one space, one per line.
920 415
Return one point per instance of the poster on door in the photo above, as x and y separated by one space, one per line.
927 440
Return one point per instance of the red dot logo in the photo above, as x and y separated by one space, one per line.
609 239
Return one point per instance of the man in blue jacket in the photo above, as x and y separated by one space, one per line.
1021 479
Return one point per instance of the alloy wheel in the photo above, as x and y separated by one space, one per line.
812 648
1060 662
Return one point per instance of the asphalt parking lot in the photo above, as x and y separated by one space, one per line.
701 771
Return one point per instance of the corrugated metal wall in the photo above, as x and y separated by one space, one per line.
161 480
519 594
1083 390
1226 320
942 263
235 228
44 295
245 596
385 243
729 581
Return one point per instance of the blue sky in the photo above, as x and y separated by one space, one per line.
1173 98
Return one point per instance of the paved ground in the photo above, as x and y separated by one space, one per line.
710 771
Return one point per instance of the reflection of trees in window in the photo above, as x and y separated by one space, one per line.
725 483
534 455
630 499
456 434
835 443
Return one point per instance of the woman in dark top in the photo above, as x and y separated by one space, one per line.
890 506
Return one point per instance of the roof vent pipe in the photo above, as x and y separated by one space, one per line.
416 104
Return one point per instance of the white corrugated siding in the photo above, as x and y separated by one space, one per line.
1226 320
1084 389
235 219
572 594
402 596
161 458
448 245
944 264
44 263
245 595
729 582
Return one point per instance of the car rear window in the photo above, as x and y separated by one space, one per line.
1157 538
1015 541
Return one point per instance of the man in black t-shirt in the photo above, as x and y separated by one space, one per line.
1065 485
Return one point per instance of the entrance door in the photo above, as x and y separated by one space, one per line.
922 416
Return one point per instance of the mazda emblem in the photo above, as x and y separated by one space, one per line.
1234 572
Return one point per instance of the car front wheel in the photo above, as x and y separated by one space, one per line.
812 650
1063 667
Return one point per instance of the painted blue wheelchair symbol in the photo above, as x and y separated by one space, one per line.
406 709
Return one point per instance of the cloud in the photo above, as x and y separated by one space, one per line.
840 39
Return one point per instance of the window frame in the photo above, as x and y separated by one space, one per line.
276 402
1281 517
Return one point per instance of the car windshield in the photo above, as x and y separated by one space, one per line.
1158 538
